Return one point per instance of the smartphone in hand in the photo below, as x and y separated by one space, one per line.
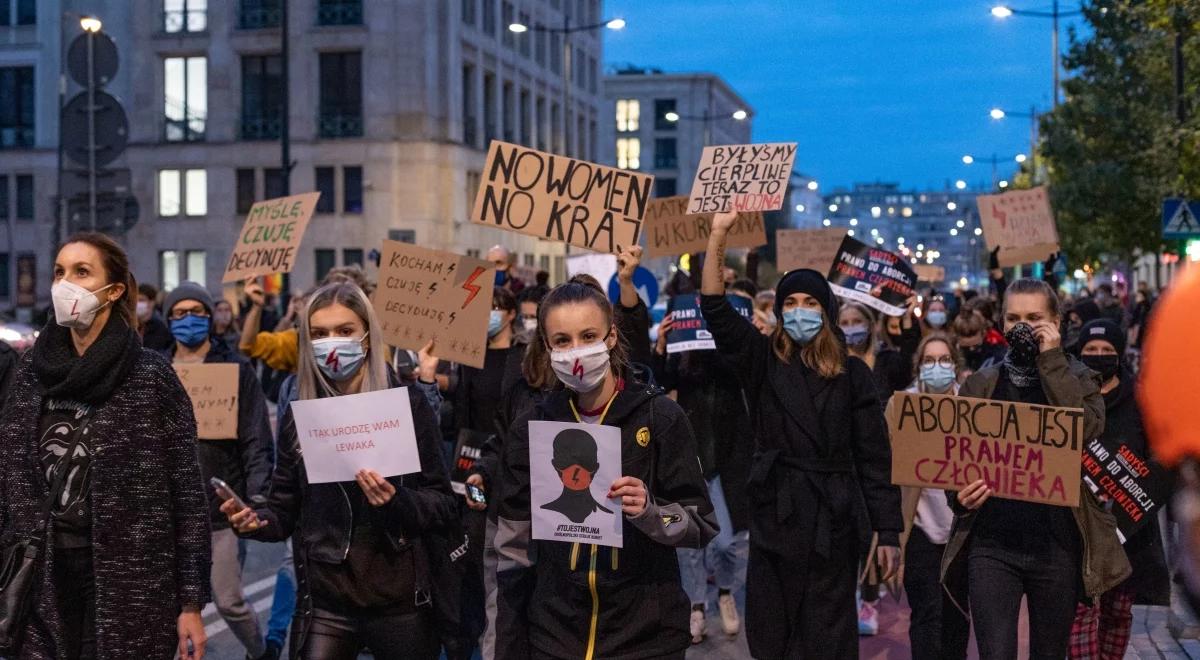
226 493
476 494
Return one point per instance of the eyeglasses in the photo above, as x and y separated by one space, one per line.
945 362
180 314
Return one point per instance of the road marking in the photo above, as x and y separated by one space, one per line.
219 626
209 613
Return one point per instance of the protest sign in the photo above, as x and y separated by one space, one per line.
341 435
872 276
603 267
1135 485
213 389
467 450
571 467
428 295
561 199
807 248
1023 451
271 236
928 273
670 231
747 177
689 331
1021 224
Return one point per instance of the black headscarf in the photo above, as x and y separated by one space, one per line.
92 377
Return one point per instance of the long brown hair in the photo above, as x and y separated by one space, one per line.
116 266
579 289
310 381
825 354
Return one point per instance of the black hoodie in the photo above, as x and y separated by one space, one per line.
557 597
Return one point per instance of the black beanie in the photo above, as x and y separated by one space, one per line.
805 280
188 291
1105 330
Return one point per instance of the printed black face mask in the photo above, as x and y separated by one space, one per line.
1023 345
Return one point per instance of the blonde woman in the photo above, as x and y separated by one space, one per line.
360 547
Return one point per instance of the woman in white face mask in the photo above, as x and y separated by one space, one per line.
363 549
98 458
581 600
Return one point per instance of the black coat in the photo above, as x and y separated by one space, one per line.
150 532
156 336
1123 425
319 520
823 461
8 369
544 597
243 462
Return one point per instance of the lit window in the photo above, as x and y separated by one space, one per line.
628 113
629 151
196 262
195 187
168 266
182 191
169 188
185 97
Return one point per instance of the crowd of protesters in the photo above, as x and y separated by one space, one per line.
755 483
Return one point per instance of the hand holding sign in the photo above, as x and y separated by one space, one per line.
632 492
628 259
377 489
972 497
723 220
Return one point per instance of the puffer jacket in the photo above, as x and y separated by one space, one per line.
1067 384
570 600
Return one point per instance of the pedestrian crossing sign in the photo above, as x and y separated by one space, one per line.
1181 218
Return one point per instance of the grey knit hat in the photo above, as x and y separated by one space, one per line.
188 291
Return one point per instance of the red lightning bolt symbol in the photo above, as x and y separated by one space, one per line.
1000 215
472 289
333 362
73 306
577 370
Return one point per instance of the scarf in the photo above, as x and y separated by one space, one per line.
1020 363
92 377
1021 375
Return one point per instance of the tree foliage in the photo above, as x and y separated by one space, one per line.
1114 148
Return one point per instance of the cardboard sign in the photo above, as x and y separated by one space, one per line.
603 267
689 330
807 248
467 451
571 467
213 389
428 294
1135 485
340 435
872 276
929 273
747 177
1021 224
670 231
271 236
1023 452
561 199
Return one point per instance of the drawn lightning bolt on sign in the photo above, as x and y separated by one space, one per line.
470 287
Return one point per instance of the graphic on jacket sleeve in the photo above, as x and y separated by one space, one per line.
571 468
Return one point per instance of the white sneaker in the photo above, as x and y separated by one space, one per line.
697 626
729 615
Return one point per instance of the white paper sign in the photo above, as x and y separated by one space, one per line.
571 467
343 434
600 266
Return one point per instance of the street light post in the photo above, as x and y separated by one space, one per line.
995 161
1004 11
1032 115
91 26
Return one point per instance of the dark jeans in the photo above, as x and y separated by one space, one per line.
336 637
937 629
75 586
1047 577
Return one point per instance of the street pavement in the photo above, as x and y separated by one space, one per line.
1151 638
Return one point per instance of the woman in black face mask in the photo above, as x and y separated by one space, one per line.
1106 624
1003 550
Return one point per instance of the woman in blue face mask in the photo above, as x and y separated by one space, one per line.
935 317
938 629
367 552
822 469
890 362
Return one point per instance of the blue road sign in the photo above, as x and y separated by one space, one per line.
1181 218
645 283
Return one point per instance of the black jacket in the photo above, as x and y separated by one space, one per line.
150 532
823 463
243 462
545 592
319 520
1123 425
633 323
156 336
711 396
8 368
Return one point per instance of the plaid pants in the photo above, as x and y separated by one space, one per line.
1101 631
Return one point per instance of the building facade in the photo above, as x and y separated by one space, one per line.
939 228
659 123
390 108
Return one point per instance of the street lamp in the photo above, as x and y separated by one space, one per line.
995 161
90 24
736 115
1032 116
1004 11
967 160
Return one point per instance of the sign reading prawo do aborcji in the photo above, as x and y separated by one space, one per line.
561 199
268 241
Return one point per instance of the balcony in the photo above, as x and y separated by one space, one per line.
261 128
343 12
258 18
332 125
16 137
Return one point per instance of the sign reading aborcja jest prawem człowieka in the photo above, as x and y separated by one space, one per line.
561 199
